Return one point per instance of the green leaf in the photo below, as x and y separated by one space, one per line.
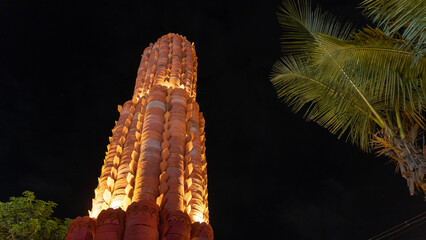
376 64
405 18
352 84
331 106
301 25
29 218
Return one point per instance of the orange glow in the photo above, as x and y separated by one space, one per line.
198 218
140 129
116 204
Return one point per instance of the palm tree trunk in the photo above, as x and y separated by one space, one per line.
409 156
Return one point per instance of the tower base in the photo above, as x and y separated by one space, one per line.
141 221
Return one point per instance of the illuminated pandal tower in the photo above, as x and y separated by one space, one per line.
153 184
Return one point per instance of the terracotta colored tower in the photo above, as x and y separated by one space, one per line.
153 184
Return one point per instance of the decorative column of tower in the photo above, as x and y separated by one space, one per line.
153 184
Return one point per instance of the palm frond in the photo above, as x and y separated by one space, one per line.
375 63
369 86
331 106
405 17
301 25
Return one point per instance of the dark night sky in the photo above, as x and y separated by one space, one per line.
65 66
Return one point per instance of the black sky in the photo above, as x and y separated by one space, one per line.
66 65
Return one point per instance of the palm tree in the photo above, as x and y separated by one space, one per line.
367 85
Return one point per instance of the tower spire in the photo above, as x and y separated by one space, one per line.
155 161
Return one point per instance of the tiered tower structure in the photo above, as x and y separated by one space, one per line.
153 184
